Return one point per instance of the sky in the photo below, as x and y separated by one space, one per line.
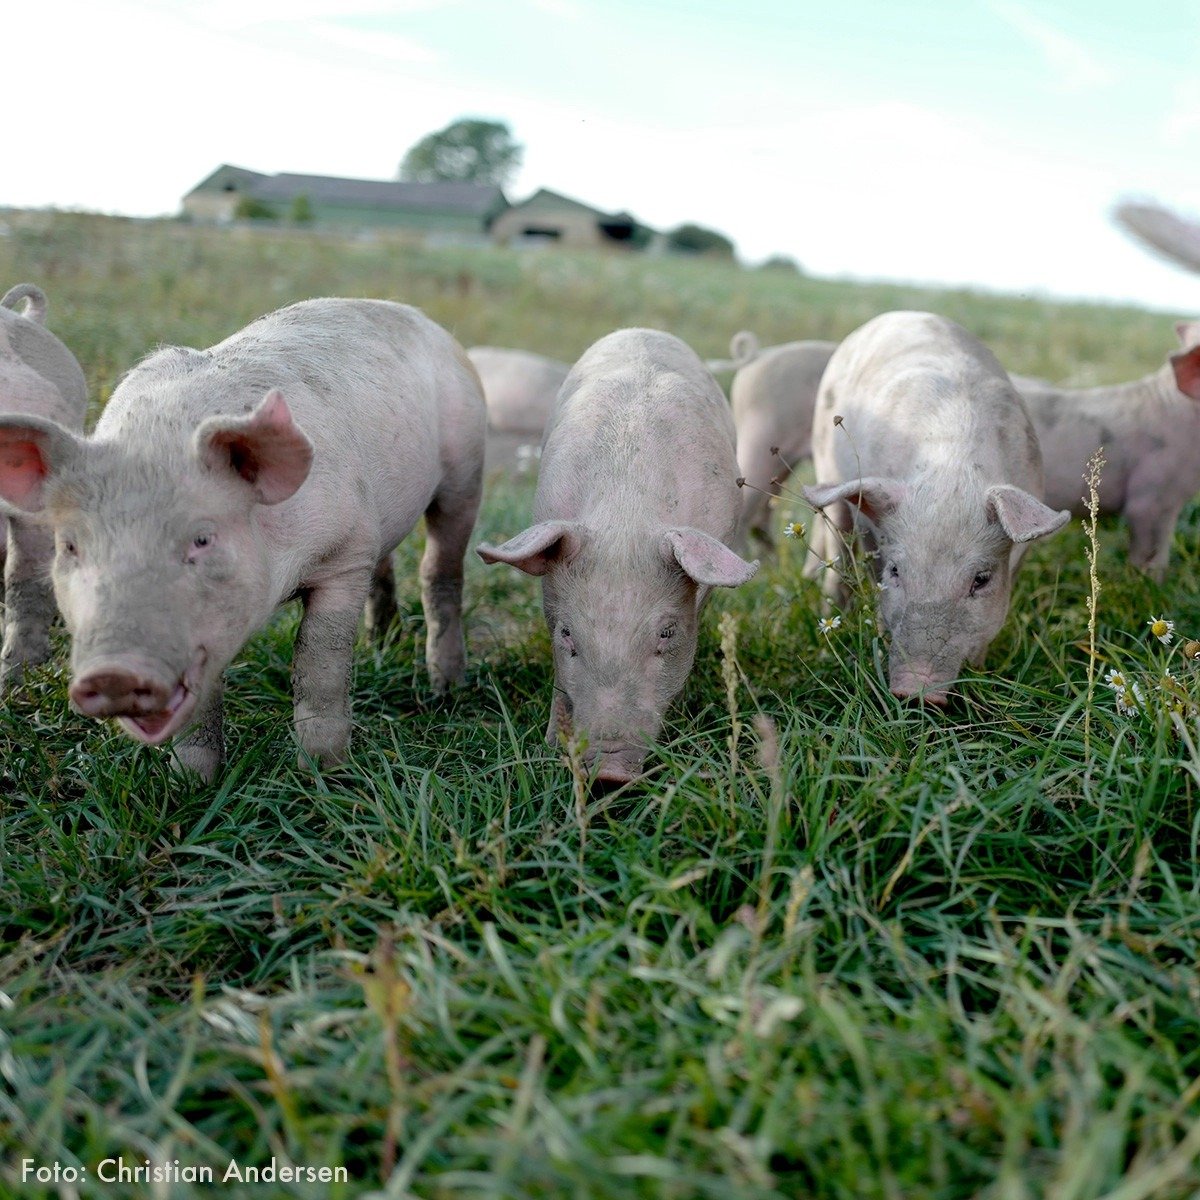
962 142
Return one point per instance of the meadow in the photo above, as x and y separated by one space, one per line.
833 946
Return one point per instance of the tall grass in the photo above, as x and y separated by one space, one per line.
834 946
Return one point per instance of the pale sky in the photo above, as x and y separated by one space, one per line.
976 142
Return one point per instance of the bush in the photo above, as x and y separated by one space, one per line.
695 239
249 209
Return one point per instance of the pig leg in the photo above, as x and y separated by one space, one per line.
1151 530
28 600
381 600
448 524
758 466
321 663
202 748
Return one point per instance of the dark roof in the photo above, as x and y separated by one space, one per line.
468 198
382 193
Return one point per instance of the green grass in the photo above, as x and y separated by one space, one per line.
872 952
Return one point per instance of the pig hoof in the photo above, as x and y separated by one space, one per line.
443 680
193 758
324 742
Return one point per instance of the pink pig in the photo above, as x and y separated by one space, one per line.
636 505
286 462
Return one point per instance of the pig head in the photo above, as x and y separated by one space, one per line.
623 615
945 562
160 569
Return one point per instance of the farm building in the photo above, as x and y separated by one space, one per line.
551 218
459 211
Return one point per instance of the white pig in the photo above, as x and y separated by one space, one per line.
1150 432
773 397
38 377
285 462
518 387
922 443
636 505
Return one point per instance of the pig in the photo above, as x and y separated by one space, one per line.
39 377
284 463
635 509
1150 432
936 464
773 397
519 390
518 387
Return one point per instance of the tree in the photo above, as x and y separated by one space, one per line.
695 239
301 211
468 150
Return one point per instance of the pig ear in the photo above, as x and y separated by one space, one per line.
706 560
265 447
875 498
1022 516
32 450
1188 333
1186 365
538 548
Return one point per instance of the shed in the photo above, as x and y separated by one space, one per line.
461 211
551 218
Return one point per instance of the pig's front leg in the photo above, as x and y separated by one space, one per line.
202 748
321 665
28 600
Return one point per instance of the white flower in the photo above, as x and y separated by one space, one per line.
1162 629
1129 700
827 625
1115 680
793 529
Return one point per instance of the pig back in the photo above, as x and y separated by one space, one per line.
385 395
917 393
641 434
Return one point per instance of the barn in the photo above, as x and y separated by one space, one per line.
453 211
550 218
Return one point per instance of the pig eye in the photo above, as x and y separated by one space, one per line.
566 637
980 581
665 634
893 571
68 547
199 544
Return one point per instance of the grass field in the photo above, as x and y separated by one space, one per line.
834 947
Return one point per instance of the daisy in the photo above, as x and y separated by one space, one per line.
793 529
1162 629
827 625
1115 680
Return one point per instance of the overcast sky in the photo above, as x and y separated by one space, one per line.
978 142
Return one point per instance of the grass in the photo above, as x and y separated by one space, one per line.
868 952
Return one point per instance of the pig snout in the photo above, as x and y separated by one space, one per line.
918 679
615 763
151 703
129 687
